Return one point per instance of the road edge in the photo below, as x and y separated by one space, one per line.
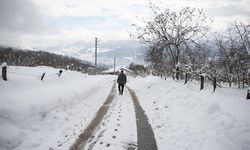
145 134
95 122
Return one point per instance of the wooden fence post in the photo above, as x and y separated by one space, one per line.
177 73
4 71
43 76
186 78
60 72
202 82
214 83
248 93
243 82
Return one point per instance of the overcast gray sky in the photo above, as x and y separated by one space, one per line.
43 23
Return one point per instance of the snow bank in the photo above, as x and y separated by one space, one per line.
37 114
183 117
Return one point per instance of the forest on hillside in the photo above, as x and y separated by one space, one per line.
20 57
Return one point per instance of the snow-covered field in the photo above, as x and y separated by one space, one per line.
38 115
184 118
50 114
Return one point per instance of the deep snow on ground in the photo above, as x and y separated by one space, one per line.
118 128
50 114
38 115
184 118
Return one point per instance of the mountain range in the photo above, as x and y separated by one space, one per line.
125 52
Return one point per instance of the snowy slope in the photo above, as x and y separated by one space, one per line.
184 118
39 115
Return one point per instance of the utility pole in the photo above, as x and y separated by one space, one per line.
114 65
96 43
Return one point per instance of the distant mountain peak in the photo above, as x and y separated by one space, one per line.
125 51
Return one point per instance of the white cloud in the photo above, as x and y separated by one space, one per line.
20 16
65 21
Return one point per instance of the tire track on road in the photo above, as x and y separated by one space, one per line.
145 134
117 131
87 133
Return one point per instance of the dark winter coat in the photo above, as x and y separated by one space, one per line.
122 79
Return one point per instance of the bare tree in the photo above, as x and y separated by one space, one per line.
234 58
174 31
243 31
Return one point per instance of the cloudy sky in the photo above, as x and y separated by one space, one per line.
44 23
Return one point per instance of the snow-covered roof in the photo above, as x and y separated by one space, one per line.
4 64
109 70
126 69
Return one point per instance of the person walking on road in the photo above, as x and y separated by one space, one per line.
121 80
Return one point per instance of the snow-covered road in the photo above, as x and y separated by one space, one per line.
118 128
145 134
125 126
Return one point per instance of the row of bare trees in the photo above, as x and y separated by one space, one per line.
178 45
234 56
